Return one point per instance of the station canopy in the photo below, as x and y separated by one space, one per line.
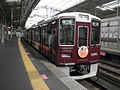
47 8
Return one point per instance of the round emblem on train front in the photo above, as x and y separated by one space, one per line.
83 51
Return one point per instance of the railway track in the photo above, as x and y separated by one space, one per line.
114 70
93 84
100 82
110 71
110 63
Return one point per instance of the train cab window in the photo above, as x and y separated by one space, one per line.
95 32
67 31
82 36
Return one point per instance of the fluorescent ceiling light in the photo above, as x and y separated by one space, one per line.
110 6
13 0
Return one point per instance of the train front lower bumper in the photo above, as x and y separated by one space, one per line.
92 71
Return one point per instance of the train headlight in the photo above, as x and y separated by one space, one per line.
66 55
94 54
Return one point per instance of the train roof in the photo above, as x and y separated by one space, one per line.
79 16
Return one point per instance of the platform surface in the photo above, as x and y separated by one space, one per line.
56 79
15 76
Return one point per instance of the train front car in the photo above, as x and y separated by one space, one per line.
79 44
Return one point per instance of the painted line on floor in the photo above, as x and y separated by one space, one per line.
36 81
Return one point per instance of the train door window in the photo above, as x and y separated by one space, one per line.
40 36
45 36
37 35
33 34
29 34
83 33
67 31
95 32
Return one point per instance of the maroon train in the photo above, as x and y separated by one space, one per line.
69 40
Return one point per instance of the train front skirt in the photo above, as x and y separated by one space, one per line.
92 72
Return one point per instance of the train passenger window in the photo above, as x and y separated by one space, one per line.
95 32
36 35
33 35
82 36
67 31
44 35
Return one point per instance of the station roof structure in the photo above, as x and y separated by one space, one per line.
22 9
100 8
9 6
16 12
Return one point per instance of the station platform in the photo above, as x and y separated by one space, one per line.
21 70
111 50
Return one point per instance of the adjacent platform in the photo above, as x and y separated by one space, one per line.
17 74
111 51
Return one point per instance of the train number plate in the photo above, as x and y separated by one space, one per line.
85 67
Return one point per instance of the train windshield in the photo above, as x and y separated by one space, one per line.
95 33
83 36
67 31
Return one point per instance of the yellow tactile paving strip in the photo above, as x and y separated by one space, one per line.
35 79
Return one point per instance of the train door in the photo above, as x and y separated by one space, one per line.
83 48
83 33
31 34
39 31
52 41
43 39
